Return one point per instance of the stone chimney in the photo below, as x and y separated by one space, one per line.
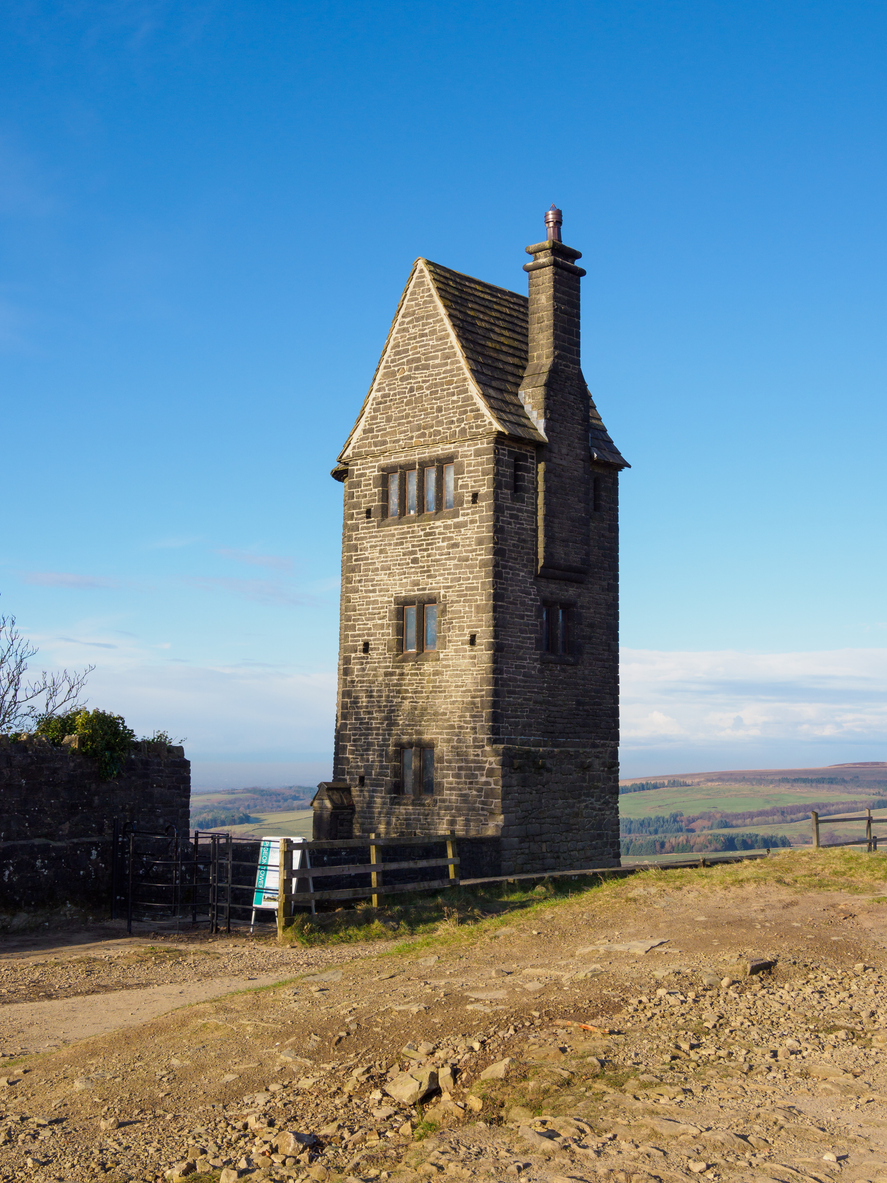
557 400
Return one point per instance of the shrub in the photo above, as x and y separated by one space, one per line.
103 736
57 727
107 738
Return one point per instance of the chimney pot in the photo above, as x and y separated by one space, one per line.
554 219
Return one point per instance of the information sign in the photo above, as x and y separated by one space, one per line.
268 870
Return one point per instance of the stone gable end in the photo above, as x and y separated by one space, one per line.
422 395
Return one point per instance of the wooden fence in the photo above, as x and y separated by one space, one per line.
870 841
376 869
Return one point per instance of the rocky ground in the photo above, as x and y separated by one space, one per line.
653 1029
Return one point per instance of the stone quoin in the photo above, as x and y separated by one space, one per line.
478 664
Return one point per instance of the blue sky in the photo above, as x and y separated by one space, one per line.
207 214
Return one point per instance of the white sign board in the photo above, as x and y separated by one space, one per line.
268 870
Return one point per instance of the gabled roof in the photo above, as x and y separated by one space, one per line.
489 326
601 446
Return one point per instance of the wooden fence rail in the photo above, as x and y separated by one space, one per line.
870 841
290 878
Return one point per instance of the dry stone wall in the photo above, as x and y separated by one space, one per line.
57 817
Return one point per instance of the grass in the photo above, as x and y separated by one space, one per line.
427 917
296 823
733 798
445 918
802 870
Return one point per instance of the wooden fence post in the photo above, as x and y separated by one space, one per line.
451 853
814 819
284 885
375 876
868 831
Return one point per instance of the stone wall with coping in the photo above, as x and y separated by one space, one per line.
57 817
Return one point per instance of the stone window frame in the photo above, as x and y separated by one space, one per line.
569 656
519 474
402 518
401 602
397 779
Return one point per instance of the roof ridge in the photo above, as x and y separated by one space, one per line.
490 324
474 279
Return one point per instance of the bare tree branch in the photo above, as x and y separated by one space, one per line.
22 702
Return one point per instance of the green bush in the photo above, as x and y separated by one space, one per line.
107 738
103 736
55 728
215 819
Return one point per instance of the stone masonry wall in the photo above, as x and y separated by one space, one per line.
56 817
526 742
424 410
555 719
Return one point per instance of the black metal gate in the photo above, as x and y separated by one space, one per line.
200 879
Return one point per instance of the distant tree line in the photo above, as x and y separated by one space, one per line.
816 780
644 786
706 843
280 800
671 823
785 813
215 819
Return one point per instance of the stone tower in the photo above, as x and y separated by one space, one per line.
478 662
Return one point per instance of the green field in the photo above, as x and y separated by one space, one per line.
689 800
288 824
733 798
739 798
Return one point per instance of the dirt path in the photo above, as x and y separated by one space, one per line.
549 1047
58 993
29 1027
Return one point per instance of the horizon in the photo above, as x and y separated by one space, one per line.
622 780
209 213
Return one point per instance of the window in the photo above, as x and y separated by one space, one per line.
449 485
430 627
410 492
393 494
409 627
427 771
430 502
420 628
417 771
556 629
406 771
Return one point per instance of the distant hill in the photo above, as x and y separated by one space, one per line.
728 809
252 800
856 776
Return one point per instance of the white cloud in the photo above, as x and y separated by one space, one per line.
262 591
728 701
262 723
69 579
252 559
256 717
